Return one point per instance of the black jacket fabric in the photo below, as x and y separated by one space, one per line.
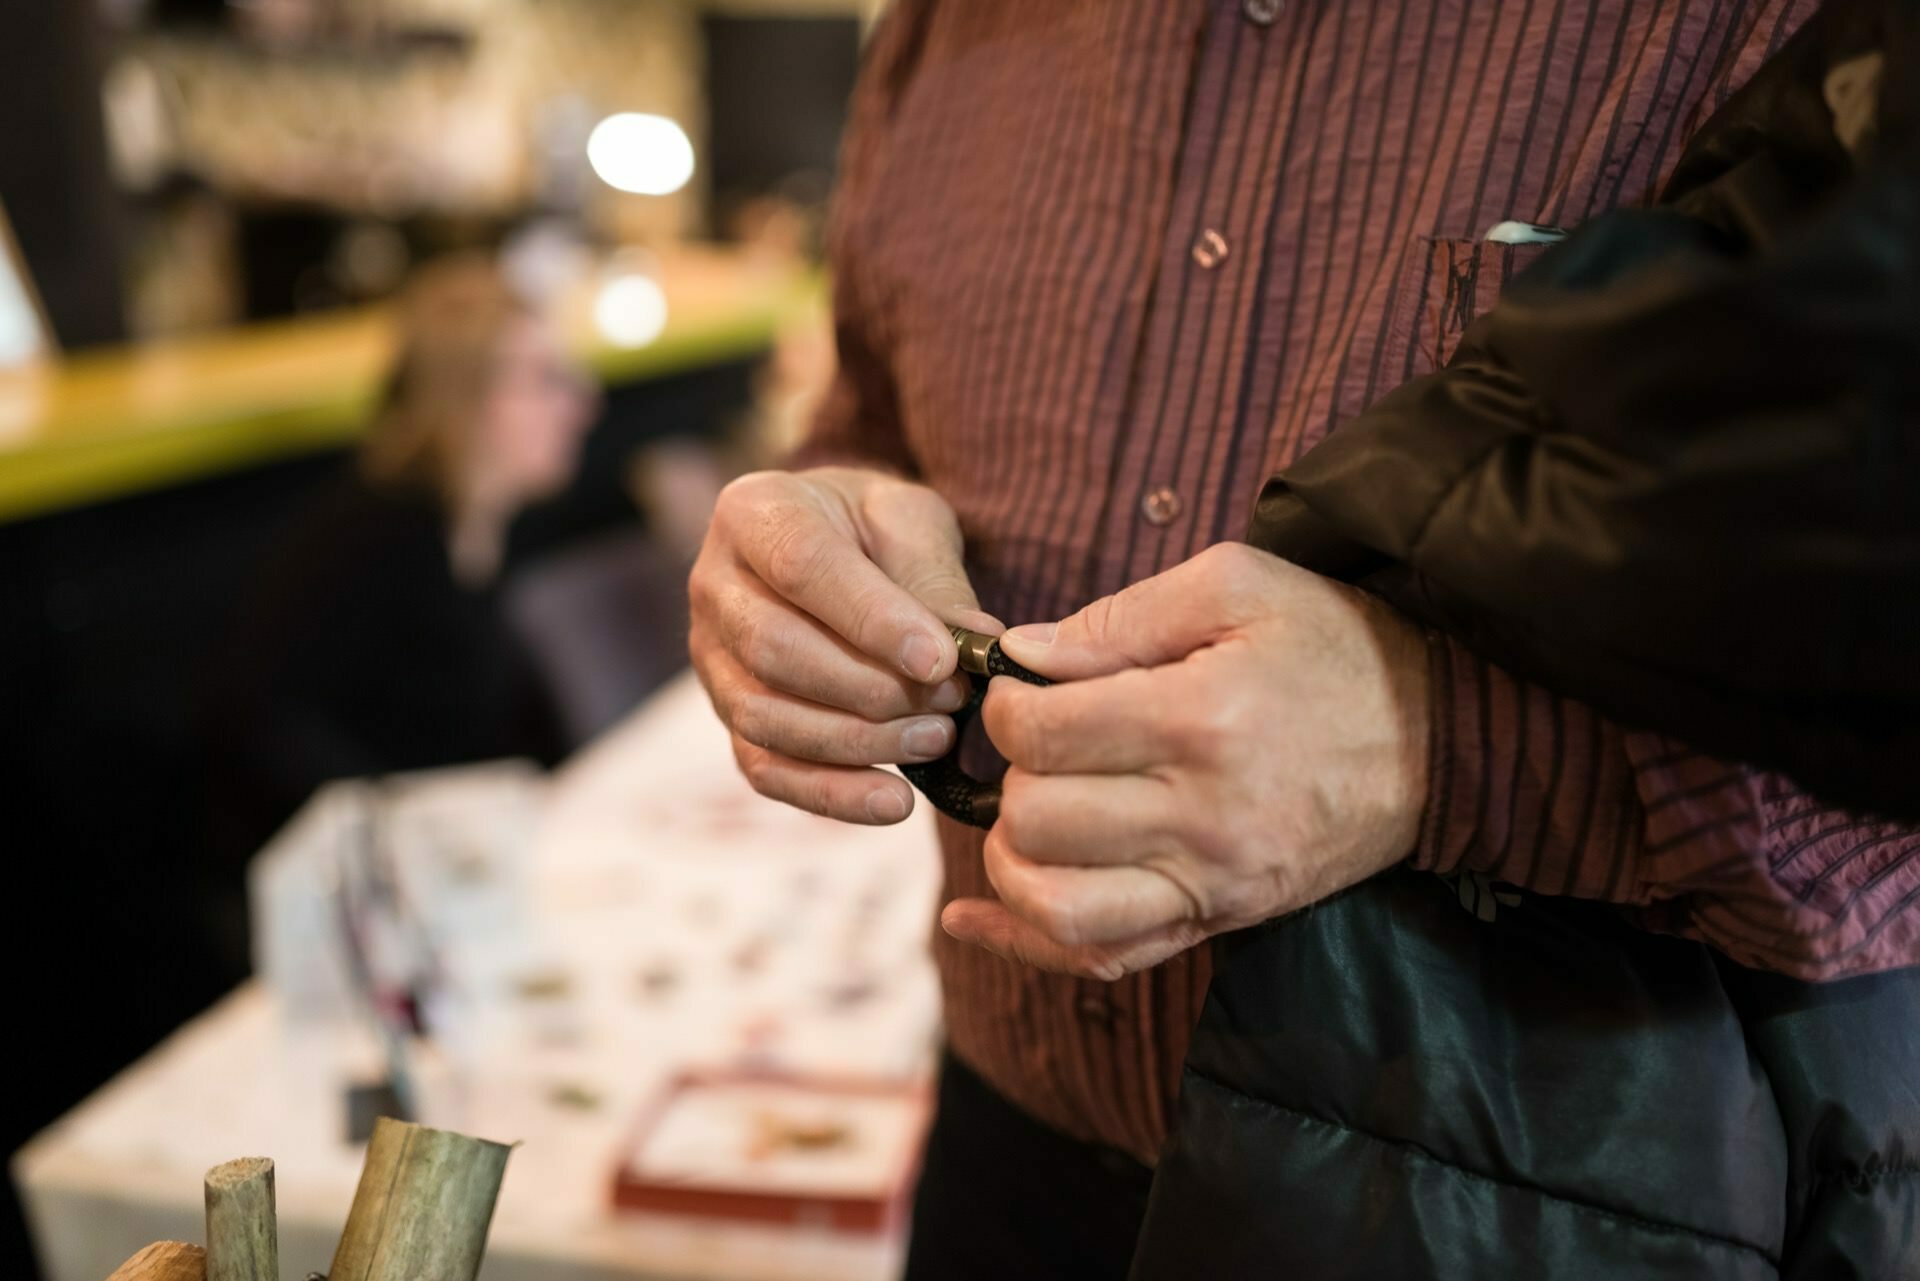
1674 471
1389 1087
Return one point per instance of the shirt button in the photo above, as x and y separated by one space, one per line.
1262 12
1161 507
1211 249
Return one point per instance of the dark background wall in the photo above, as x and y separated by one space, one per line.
776 100
53 165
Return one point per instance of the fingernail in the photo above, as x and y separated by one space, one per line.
919 656
884 805
950 696
925 739
1033 633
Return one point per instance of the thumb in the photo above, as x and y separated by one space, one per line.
914 537
1155 621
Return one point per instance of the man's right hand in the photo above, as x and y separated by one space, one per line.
820 602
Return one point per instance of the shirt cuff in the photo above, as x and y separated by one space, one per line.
1449 777
1525 785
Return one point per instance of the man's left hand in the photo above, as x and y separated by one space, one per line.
1233 739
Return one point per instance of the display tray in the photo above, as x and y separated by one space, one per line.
837 1153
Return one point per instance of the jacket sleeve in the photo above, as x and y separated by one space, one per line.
858 423
1671 479
1673 472
1538 789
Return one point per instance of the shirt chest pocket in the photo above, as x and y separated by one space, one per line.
1411 323
1445 284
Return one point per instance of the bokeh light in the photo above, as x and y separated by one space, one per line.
644 154
630 310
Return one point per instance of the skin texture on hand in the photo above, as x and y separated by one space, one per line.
819 605
1233 740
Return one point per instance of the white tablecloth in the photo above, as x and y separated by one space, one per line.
646 852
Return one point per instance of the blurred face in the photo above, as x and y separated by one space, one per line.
535 415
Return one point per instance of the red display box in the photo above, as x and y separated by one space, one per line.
771 1148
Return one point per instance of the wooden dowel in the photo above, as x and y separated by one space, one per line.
242 1241
164 1261
422 1208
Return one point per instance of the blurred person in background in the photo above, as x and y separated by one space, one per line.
373 640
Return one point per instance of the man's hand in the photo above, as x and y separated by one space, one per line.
1235 738
818 628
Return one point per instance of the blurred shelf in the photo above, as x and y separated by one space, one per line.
100 426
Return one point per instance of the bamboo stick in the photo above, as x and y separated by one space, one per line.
164 1261
242 1243
422 1208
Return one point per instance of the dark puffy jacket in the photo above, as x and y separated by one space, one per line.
1388 1088
1675 420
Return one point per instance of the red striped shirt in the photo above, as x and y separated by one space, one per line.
1102 267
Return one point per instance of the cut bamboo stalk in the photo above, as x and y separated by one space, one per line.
422 1208
164 1261
242 1242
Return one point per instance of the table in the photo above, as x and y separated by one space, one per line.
615 839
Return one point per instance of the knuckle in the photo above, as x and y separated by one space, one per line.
880 498
1226 561
755 765
891 498
1202 733
756 646
753 720
1223 722
1098 620
1057 917
1015 822
1236 574
811 744
1016 809
819 797
725 697
1237 904
873 700
1041 727
746 493
1022 819
700 586
868 616
795 552
994 858
794 735
1203 725
730 509
1186 737
699 645
1014 726
1199 899
1100 968
709 583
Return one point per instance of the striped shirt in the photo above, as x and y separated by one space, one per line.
1104 266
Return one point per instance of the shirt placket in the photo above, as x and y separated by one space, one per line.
1207 270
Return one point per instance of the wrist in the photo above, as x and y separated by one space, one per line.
1402 789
